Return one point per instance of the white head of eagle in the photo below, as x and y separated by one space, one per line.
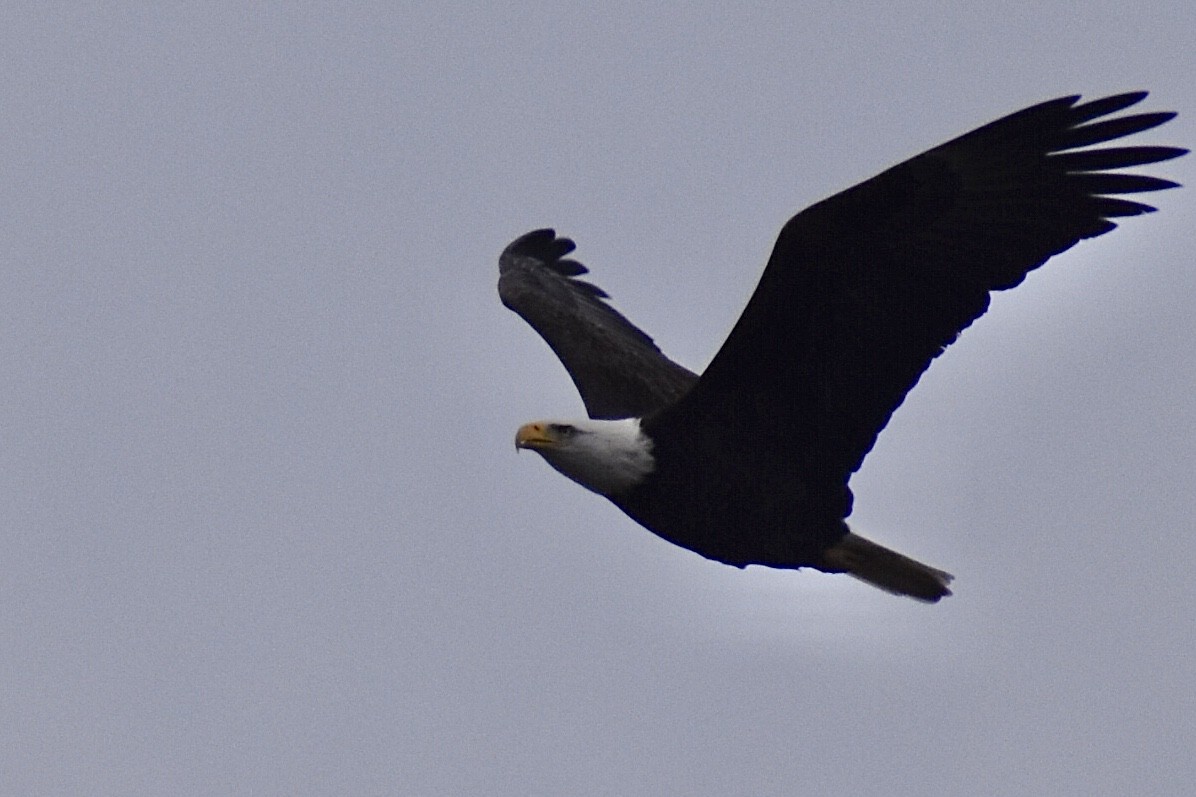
608 457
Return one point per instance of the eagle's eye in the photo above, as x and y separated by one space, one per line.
564 429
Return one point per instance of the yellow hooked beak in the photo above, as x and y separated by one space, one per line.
535 435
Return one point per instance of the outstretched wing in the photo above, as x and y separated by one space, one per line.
618 370
864 289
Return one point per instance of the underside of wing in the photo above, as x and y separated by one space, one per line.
864 289
618 370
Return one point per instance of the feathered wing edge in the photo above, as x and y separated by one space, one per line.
618 370
865 288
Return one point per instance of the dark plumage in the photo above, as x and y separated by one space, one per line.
862 291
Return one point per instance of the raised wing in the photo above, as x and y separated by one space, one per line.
618 370
864 289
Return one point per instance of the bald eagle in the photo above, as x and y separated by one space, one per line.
749 463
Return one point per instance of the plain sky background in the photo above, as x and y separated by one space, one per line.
264 529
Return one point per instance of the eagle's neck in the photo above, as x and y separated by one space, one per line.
608 457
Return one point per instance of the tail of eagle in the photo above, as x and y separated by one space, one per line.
876 565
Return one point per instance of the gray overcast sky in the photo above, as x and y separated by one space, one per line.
264 528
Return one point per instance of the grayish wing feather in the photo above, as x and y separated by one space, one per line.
618 370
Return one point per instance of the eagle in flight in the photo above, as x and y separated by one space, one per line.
749 463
